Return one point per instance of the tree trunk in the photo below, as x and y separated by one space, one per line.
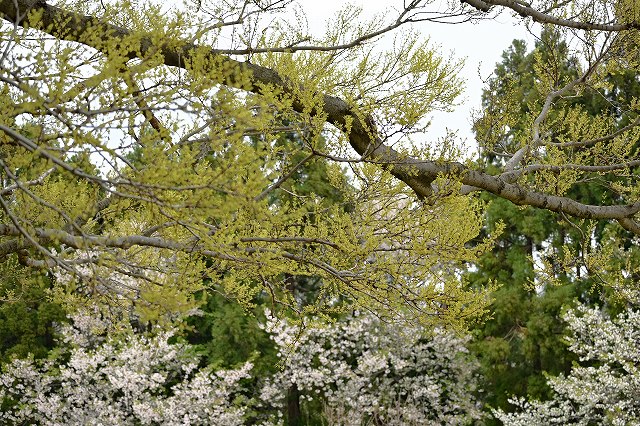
293 406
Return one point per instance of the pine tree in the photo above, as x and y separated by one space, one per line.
524 338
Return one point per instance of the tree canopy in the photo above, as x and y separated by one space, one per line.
140 151
541 262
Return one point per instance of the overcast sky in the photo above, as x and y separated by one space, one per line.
480 44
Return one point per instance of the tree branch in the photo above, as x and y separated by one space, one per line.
37 181
525 10
592 142
363 137
283 178
92 242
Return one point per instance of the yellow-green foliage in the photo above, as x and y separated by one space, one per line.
192 170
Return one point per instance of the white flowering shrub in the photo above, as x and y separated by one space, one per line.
352 372
605 388
130 380
368 372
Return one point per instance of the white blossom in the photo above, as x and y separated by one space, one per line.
366 370
127 380
605 389
359 369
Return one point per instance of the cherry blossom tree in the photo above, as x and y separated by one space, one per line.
351 372
121 380
365 371
604 388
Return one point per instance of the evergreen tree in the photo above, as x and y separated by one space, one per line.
28 319
524 338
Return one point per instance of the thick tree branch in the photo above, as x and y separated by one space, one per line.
11 246
630 225
417 174
41 236
526 10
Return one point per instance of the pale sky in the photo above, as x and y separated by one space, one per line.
480 44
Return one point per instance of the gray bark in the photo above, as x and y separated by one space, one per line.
416 173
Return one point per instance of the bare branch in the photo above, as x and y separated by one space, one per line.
283 178
37 181
526 10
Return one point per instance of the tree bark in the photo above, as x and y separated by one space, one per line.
294 416
418 174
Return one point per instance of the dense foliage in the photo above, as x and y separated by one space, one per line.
166 127
543 261
184 183
28 319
